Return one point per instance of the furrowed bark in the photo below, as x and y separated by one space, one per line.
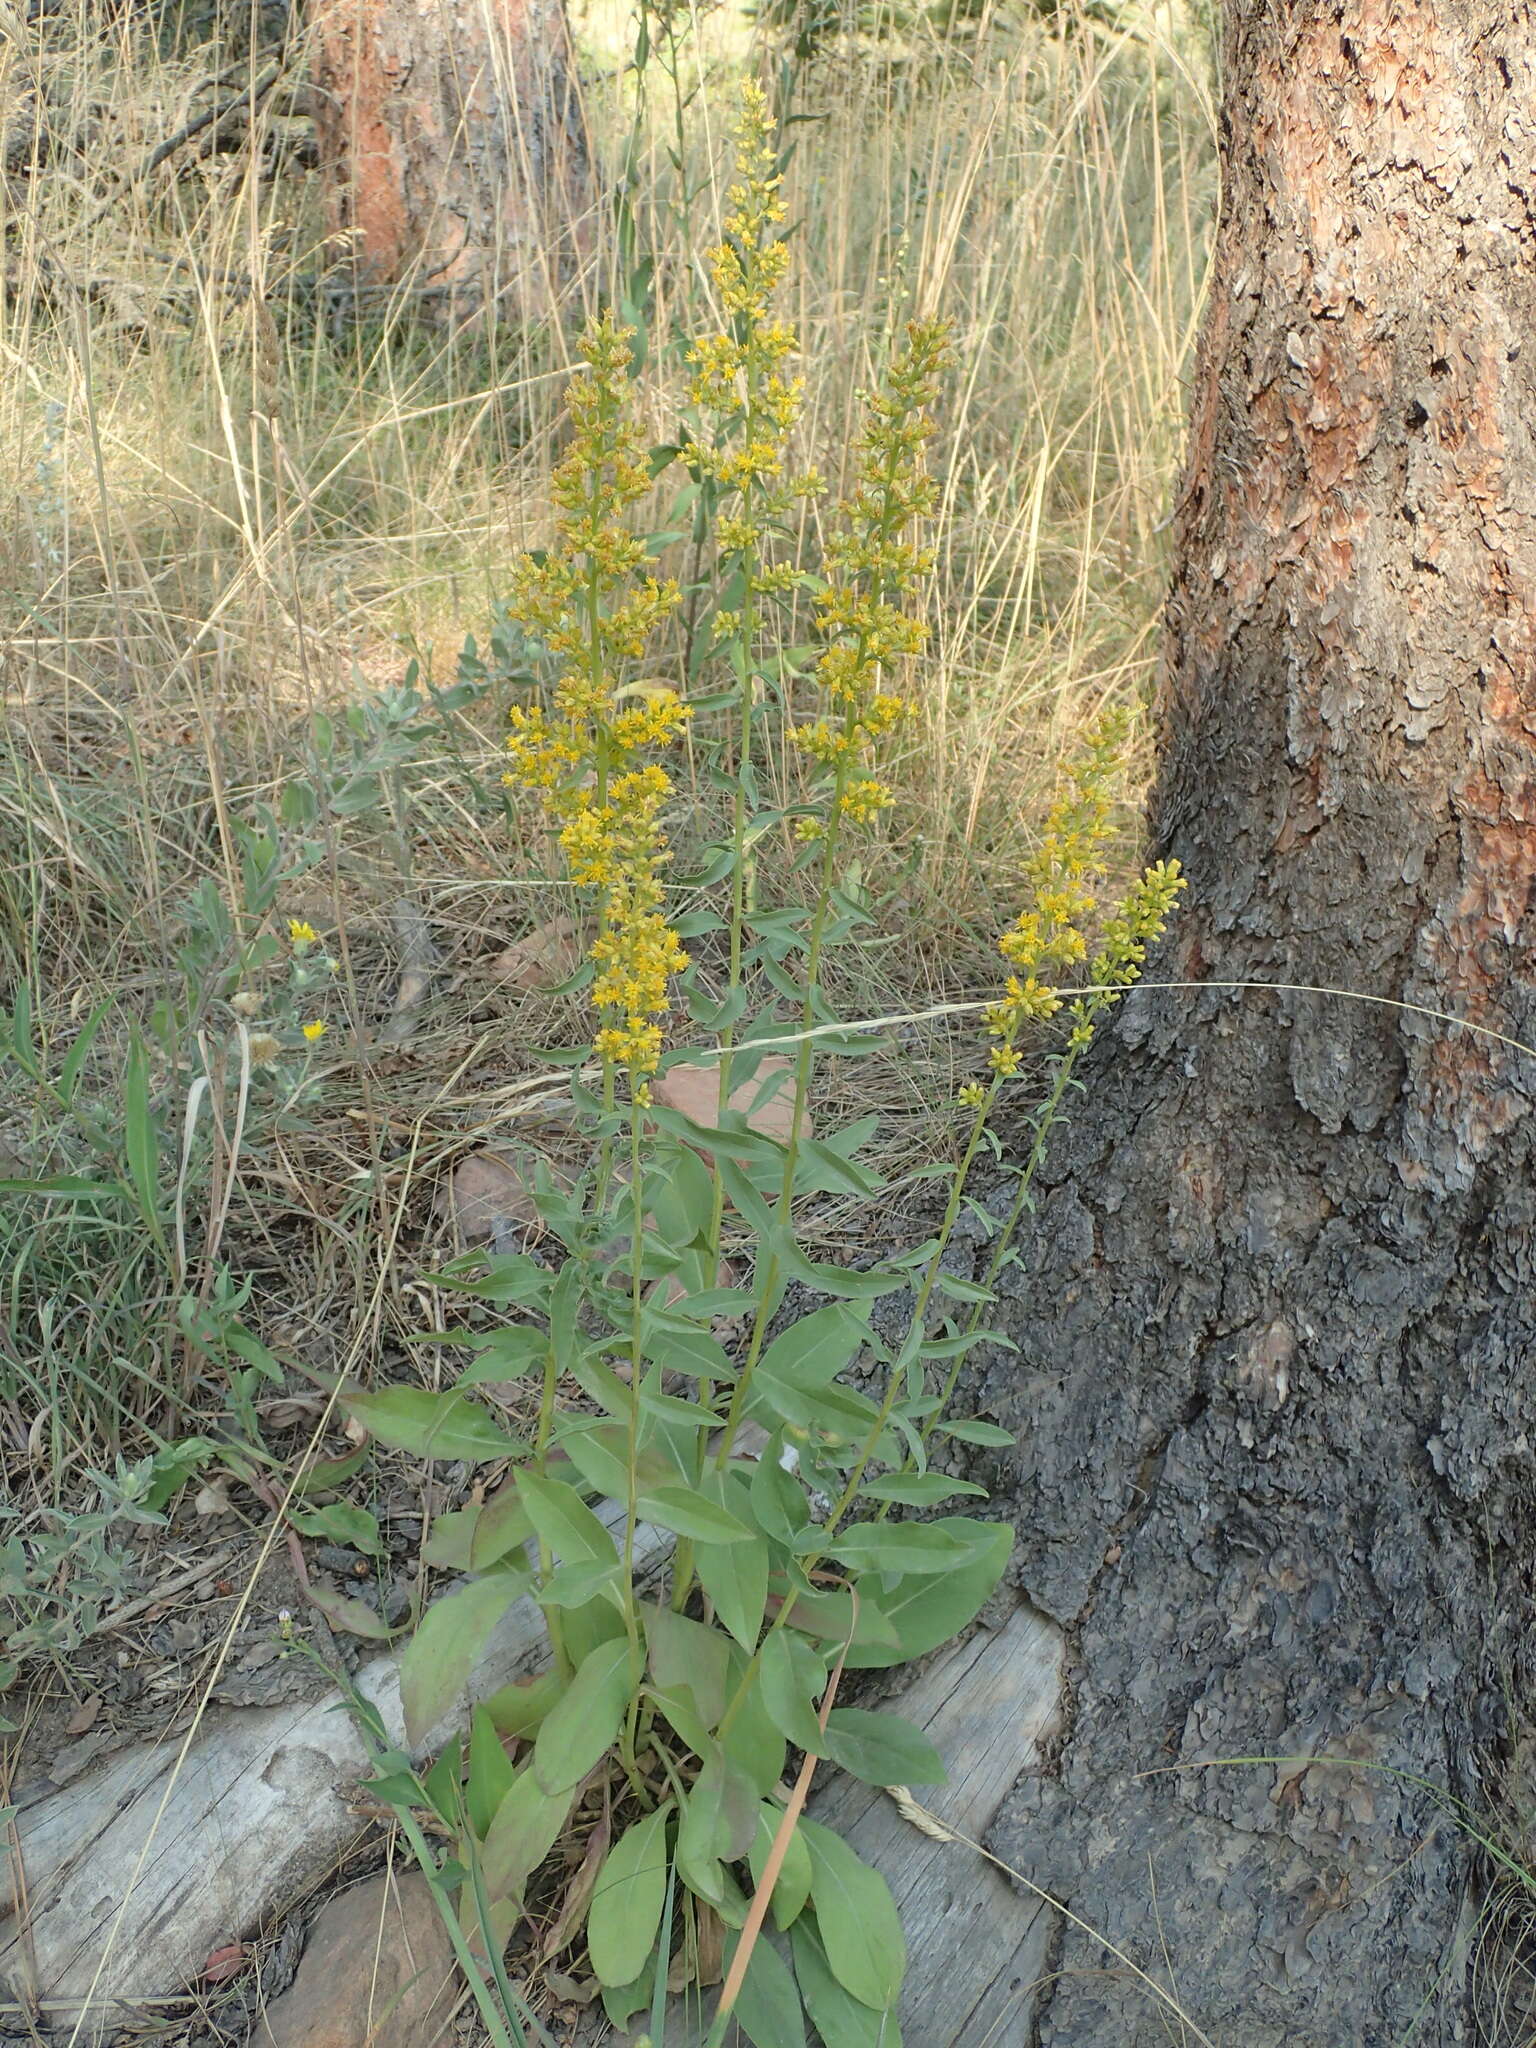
1278 1311
454 151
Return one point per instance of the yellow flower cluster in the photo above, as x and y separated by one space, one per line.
584 598
747 397
619 848
1123 945
1050 937
861 801
583 757
874 567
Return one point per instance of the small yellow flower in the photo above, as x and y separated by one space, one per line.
972 1095
1051 933
864 800
315 1031
300 933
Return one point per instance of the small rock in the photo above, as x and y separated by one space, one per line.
491 1200
225 1963
378 1968
549 954
767 1100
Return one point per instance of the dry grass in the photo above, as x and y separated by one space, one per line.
223 506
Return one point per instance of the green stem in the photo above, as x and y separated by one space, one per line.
766 1287
495 2021
682 1574
632 1450
918 1317
746 640
552 1620
1043 1123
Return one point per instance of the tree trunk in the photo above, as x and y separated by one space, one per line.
453 148
1278 1313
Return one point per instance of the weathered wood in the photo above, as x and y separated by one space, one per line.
976 1946
131 1878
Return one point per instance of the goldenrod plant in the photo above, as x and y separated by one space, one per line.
727 1499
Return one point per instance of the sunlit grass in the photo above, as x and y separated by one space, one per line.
222 504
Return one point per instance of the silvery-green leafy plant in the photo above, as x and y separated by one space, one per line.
726 1499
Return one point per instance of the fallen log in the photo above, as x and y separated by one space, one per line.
124 1883
127 1881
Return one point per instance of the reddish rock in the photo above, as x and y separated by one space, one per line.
378 1972
767 1100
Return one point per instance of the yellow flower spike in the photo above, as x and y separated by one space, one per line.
874 570
747 399
1051 932
595 609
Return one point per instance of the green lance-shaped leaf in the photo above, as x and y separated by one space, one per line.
626 1907
437 1661
788 1677
686 1653
564 1521
767 2009
433 1425
900 1547
836 2014
340 1522
140 1142
792 1886
814 1350
687 1513
882 1749
919 1489
490 1772
925 1610
857 1919
735 1576
586 1719
523 1830
977 1432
